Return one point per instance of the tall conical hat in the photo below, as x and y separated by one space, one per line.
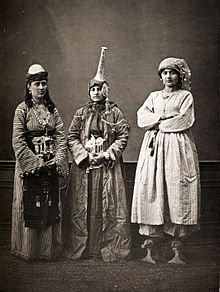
99 78
100 75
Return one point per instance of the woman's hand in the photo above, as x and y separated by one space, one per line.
51 163
96 159
100 158
42 163
165 117
62 181
155 127
91 159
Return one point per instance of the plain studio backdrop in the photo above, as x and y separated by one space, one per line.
65 36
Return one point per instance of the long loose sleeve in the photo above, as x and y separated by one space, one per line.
79 153
121 129
96 206
146 117
27 160
61 156
36 226
171 171
182 121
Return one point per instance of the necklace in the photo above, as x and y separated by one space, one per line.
42 122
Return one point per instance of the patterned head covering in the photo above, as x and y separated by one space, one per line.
180 66
103 84
99 79
36 73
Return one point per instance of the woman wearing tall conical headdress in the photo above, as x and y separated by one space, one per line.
166 195
96 223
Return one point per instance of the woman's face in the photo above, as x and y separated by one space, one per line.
169 77
38 89
95 93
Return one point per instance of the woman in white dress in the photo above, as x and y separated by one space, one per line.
166 195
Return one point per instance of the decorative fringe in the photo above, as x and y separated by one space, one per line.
107 105
152 143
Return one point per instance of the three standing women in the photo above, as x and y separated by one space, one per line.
96 221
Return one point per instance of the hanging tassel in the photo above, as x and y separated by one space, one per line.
107 105
152 143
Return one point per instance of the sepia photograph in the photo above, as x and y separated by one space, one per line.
109 153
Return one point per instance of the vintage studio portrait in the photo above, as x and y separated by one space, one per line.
109 153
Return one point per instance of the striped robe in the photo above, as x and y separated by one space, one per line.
31 243
167 184
96 214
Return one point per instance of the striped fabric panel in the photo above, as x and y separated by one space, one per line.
26 159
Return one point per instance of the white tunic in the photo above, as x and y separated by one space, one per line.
171 175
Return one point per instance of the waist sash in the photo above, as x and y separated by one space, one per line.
30 135
41 190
